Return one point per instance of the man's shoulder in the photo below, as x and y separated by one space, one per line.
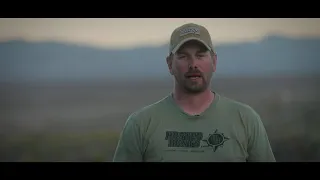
151 109
244 110
232 103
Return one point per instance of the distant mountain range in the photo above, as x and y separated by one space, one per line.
44 61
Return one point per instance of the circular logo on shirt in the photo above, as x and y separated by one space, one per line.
215 140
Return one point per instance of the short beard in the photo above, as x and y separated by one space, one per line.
190 88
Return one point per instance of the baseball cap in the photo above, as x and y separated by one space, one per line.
187 32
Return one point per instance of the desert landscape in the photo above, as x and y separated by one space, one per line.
82 121
69 102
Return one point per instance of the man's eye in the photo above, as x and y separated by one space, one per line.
181 57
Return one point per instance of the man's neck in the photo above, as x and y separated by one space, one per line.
193 103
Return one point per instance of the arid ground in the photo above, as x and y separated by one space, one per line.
77 121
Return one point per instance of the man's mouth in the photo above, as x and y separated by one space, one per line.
193 76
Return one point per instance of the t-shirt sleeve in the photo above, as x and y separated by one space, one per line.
129 148
259 148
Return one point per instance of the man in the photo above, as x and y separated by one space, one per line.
193 123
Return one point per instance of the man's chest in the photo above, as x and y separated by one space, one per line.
205 142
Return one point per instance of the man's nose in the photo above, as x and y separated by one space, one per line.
193 62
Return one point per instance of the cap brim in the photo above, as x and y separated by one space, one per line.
189 39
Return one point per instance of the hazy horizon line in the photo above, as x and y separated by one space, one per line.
144 45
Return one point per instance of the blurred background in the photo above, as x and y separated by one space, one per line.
67 86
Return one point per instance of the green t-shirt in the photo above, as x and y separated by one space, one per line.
227 131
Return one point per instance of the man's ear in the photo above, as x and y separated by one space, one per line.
214 58
169 63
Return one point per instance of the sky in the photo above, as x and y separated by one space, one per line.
131 32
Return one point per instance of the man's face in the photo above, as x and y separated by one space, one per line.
192 66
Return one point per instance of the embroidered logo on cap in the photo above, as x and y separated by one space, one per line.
189 30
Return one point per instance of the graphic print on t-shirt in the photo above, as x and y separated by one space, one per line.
194 141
